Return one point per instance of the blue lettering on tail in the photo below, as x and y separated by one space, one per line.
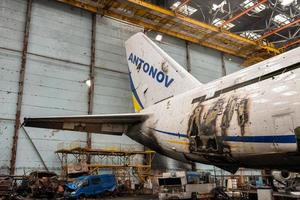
167 81
152 71
160 76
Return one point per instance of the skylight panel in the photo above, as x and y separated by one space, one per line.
281 19
286 2
219 22
249 3
185 9
251 35
220 6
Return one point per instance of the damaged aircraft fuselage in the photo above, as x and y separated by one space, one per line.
246 120
250 118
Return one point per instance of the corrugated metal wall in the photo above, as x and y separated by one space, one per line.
12 17
57 67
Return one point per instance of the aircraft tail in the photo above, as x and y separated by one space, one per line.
154 75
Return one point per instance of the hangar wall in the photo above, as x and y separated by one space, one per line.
58 63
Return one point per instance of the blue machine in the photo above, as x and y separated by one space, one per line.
85 186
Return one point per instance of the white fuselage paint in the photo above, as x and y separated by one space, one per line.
273 113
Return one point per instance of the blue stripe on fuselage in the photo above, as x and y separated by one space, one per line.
262 139
170 133
247 139
134 91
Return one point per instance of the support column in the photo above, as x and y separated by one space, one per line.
92 76
224 73
20 89
188 56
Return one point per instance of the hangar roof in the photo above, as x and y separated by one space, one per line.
251 29
264 17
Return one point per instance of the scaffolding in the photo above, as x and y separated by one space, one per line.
124 164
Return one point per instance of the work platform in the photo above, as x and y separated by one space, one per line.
121 162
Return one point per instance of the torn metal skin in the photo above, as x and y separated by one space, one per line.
202 131
208 125
242 114
228 113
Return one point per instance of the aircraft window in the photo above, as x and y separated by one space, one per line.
249 82
95 181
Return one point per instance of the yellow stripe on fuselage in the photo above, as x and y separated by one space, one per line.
178 142
136 105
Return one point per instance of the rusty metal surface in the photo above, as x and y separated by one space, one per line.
43 184
92 76
224 73
188 57
6 185
21 87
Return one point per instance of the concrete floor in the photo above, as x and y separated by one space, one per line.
128 197
134 197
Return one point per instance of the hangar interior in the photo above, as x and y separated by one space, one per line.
67 57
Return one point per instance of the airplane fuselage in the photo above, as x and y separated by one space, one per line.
250 118
232 121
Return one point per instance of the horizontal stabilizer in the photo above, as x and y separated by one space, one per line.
112 124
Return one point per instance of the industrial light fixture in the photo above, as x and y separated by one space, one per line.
281 19
158 37
88 82
219 22
249 3
185 9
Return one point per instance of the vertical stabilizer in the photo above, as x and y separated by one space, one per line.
154 75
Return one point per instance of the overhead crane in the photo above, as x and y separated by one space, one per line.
173 23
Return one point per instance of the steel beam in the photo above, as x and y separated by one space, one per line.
243 13
198 23
36 150
279 29
291 44
188 56
156 11
224 73
92 75
175 34
21 88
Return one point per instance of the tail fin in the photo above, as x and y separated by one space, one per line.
154 75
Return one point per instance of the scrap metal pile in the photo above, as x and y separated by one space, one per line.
36 184
47 185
